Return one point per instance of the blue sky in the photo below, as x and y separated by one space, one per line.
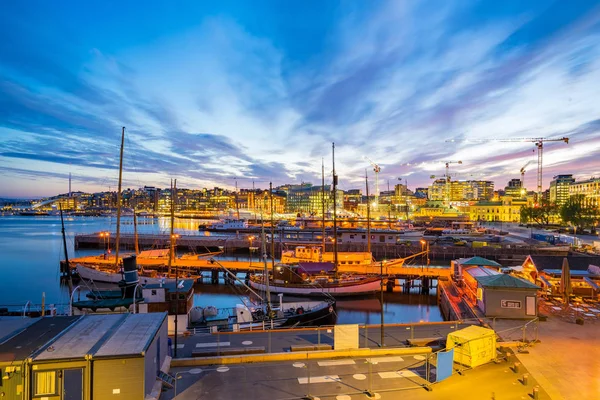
210 91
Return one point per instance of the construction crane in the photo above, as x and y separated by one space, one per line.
376 169
447 194
523 173
539 143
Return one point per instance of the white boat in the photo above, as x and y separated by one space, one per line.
302 254
228 224
343 287
97 274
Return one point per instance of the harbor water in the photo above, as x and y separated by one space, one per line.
31 249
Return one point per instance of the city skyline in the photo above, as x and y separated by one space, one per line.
210 92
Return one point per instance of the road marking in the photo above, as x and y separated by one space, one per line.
335 362
319 379
179 346
222 369
419 358
343 397
398 374
359 377
378 360
298 365
215 344
247 342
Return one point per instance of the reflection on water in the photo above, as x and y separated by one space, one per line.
31 249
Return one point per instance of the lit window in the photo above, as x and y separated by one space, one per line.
45 383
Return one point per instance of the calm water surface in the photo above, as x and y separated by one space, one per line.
31 249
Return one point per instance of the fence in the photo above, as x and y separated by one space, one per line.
307 378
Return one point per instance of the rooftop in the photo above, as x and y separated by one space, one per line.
480 261
580 263
81 338
10 326
504 281
33 337
133 336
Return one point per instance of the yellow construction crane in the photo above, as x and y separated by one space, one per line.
539 143
376 169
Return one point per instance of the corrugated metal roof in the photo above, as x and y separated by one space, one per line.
81 338
133 336
505 281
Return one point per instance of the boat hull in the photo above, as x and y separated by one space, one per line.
360 288
97 275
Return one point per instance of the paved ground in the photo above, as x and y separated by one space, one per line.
281 341
390 377
567 361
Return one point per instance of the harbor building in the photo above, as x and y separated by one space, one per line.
589 188
559 189
84 358
508 209
472 190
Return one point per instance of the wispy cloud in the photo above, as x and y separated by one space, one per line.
212 93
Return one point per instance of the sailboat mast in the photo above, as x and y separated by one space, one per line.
335 182
118 238
135 234
266 269
368 214
68 267
272 229
172 223
323 204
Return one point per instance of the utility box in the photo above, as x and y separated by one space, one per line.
473 346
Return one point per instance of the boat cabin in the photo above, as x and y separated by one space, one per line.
165 297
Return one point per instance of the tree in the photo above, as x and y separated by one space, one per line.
541 214
577 213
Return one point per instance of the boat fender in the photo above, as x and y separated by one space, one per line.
330 309
300 310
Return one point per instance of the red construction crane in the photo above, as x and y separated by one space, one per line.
539 143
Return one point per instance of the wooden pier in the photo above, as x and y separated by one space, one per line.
506 254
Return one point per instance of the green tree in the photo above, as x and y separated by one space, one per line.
575 212
541 214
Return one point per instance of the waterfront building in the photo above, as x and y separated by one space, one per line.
507 209
559 189
307 199
589 188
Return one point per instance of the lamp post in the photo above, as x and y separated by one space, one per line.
381 300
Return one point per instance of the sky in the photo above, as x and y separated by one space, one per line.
259 90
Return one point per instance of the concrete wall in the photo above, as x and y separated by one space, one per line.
498 302
155 356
